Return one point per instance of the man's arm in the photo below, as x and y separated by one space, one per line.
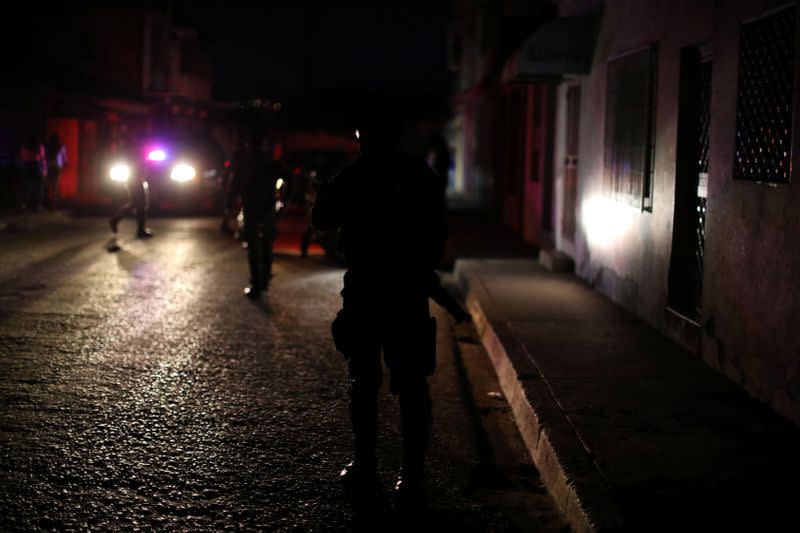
437 293
233 188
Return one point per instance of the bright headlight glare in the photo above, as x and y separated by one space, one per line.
157 155
182 173
279 183
120 172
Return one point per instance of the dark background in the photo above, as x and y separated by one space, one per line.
320 59
348 47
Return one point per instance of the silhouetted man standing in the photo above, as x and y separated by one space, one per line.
390 208
253 179
136 188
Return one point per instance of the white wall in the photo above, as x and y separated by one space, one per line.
559 148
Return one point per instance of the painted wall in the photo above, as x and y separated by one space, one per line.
752 248
67 130
560 151
532 190
537 147
624 252
752 255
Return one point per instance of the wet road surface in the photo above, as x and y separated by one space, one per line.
139 389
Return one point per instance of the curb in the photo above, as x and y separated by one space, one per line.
566 466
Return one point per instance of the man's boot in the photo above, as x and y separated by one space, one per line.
360 476
141 230
141 219
415 418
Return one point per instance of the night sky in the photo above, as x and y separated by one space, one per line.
288 49
320 59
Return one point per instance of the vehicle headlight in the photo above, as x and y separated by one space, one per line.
279 184
182 173
120 172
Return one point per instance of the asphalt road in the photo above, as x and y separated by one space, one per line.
139 389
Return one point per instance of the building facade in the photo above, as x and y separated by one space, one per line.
502 152
99 75
674 162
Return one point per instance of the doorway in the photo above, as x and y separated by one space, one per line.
685 292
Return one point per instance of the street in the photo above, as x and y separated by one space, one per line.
140 389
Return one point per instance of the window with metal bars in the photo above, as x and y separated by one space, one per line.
765 99
629 128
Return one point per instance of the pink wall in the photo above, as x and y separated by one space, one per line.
67 130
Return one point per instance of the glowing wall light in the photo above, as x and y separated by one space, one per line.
604 220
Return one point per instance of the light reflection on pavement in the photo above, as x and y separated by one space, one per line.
140 389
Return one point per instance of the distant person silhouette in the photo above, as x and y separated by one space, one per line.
136 187
390 208
310 196
33 166
253 178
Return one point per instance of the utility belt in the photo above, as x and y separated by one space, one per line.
412 337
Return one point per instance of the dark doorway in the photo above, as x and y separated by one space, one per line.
691 184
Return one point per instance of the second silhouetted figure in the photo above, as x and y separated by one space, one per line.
253 179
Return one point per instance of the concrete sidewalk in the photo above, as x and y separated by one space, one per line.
629 431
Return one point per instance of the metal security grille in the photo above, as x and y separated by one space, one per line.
765 93
685 285
704 83
629 135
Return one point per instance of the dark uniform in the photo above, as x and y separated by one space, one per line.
390 209
253 179
137 190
